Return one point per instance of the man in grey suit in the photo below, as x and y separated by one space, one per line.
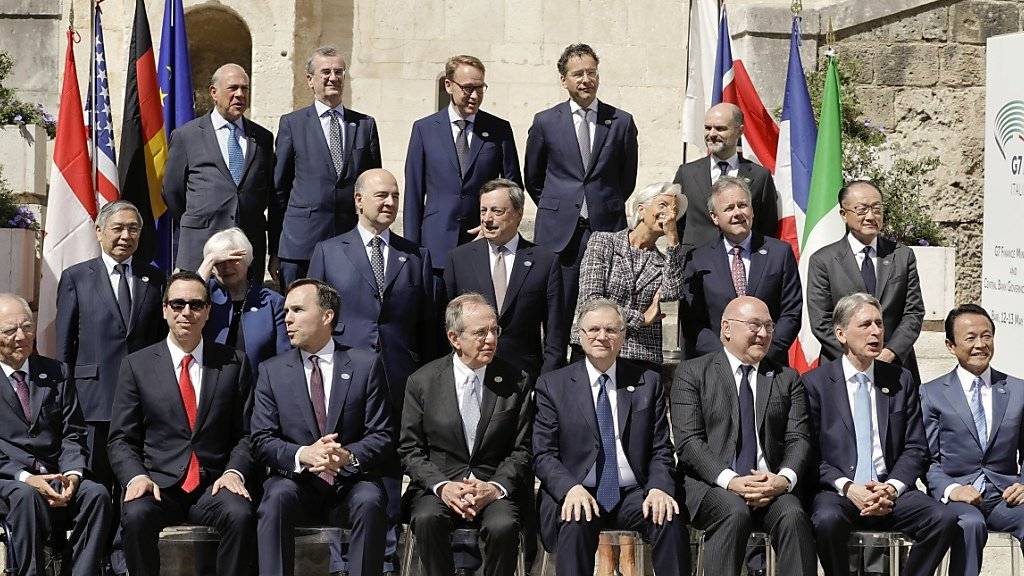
740 472
972 417
219 174
863 261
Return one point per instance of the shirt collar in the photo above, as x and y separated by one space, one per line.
327 352
734 161
858 246
745 244
967 379
849 371
177 354
511 246
593 373
109 263
322 109
365 235
574 107
220 122
8 369
453 115
463 372
735 363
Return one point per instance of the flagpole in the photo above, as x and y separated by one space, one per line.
92 97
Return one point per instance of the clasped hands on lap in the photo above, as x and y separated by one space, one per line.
45 484
580 504
872 498
469 496
759 489
325 455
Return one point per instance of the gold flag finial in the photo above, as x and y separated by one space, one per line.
797 7
71 16
830 40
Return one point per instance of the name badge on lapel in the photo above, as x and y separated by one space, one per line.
346 376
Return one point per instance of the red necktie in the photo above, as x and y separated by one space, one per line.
188 398
318 397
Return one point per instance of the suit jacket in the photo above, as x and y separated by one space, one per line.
558 182
439 202
283 420
55 435
533 301
204 199
566 439
898 417
149 431
695 178
773 277
956 454
833 273
262 323
92 338
705 420
315 203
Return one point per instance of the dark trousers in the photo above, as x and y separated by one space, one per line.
973 525
291 270
432 522
291 502
930 524
32 521
99 467
569 259
727 522
577 541
231 515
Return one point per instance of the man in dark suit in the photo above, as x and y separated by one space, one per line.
741 429
972 418
519 279
179 436
321 424
602 452
43 455
863 261
321 150
466 443
723 127
452 153
739 262
581 162
866 424
219 174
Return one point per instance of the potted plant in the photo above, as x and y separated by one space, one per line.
24 131
19 229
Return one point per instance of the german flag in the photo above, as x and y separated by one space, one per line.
144 145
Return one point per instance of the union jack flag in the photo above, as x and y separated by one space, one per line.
103 132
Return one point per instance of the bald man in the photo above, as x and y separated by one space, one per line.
219 174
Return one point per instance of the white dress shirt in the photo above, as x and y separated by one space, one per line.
366 236
220 128
591 119
858 251
509 256
626 476
453 115
115 277
326 361
716 170
966 381
325 120
744 254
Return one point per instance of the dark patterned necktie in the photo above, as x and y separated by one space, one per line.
867 271
746 448
462 145
319 398
21 389
723 169
607 463
739 271
337 144
377 263
124 295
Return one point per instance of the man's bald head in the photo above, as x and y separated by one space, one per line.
17 330
747 329
374 176
376 197
229 88
723 126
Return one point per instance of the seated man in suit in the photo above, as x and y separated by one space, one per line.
466 443
321 424
740 473
43 454
739 262
521 280
972 418
179 437
603 454
866 422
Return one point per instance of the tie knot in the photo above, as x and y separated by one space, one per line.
121 269
582 112
746 368
723 167
603 380
977 384
186 361
232 127
862 378
374 242
18 376
461 123
500 250
314 360
737 250
867 251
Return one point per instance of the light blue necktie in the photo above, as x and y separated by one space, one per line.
235 157
979 413
471 411
607 463
862 423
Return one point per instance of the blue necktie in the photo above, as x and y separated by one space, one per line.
746 448
607 463
867 272
978 412
862 423
235 157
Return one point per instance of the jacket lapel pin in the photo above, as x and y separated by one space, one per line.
497 379
401 258
631 388
1001 390
527 263
145 278
769 374
351 123
42 376
253 309
762 251
885 390
485 134
608 122
346 376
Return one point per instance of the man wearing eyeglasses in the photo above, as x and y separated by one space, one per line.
179 436
452 153
465 444
741 430
864 261
321 150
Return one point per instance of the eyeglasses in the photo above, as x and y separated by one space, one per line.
25 327
178 304
594 332
580 74
132 230
339 72
862 210
755 325
481 334
468 90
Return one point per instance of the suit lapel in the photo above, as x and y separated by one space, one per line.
848 262
840 397
141 288
443 138
884 267
356 253
396 261
956 399
449 400
584 398
350 141
213 147
166 377
567 126
487 401
315 132
624 399
702 181
758 259
482 260
250 150
7 391
720 262
764 391
105 290
211 379
340 384
883 401
601 128
39 389
294 367
480 126
1000 398
520 268
726 376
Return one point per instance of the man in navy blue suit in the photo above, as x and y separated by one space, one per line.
581 162
602 452
321 150
521 280
740 262
321 424
972 417
867 430
452 153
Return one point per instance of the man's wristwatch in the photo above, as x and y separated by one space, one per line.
353 461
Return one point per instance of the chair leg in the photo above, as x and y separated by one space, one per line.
408 553
521 558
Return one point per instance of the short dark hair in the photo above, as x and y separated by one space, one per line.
578 50
845 190
960 311
326 296
186 276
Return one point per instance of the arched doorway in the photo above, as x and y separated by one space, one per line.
216 36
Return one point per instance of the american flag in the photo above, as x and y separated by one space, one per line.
106 161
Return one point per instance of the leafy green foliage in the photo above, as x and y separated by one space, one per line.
14 111
12 213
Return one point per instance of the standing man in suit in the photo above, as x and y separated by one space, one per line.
602 452
581 162
863 261
519 279
741 427
972 417
179 436
452 153
219 174
321 424
466 443
866 424
43 454
723 127
739 262
321 150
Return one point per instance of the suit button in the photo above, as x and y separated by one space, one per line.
181 467
376 347
34 434
852 468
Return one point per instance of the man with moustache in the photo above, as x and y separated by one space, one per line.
321 151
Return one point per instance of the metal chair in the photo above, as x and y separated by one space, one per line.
1001 541
895 544
616 538
462 538
757 539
